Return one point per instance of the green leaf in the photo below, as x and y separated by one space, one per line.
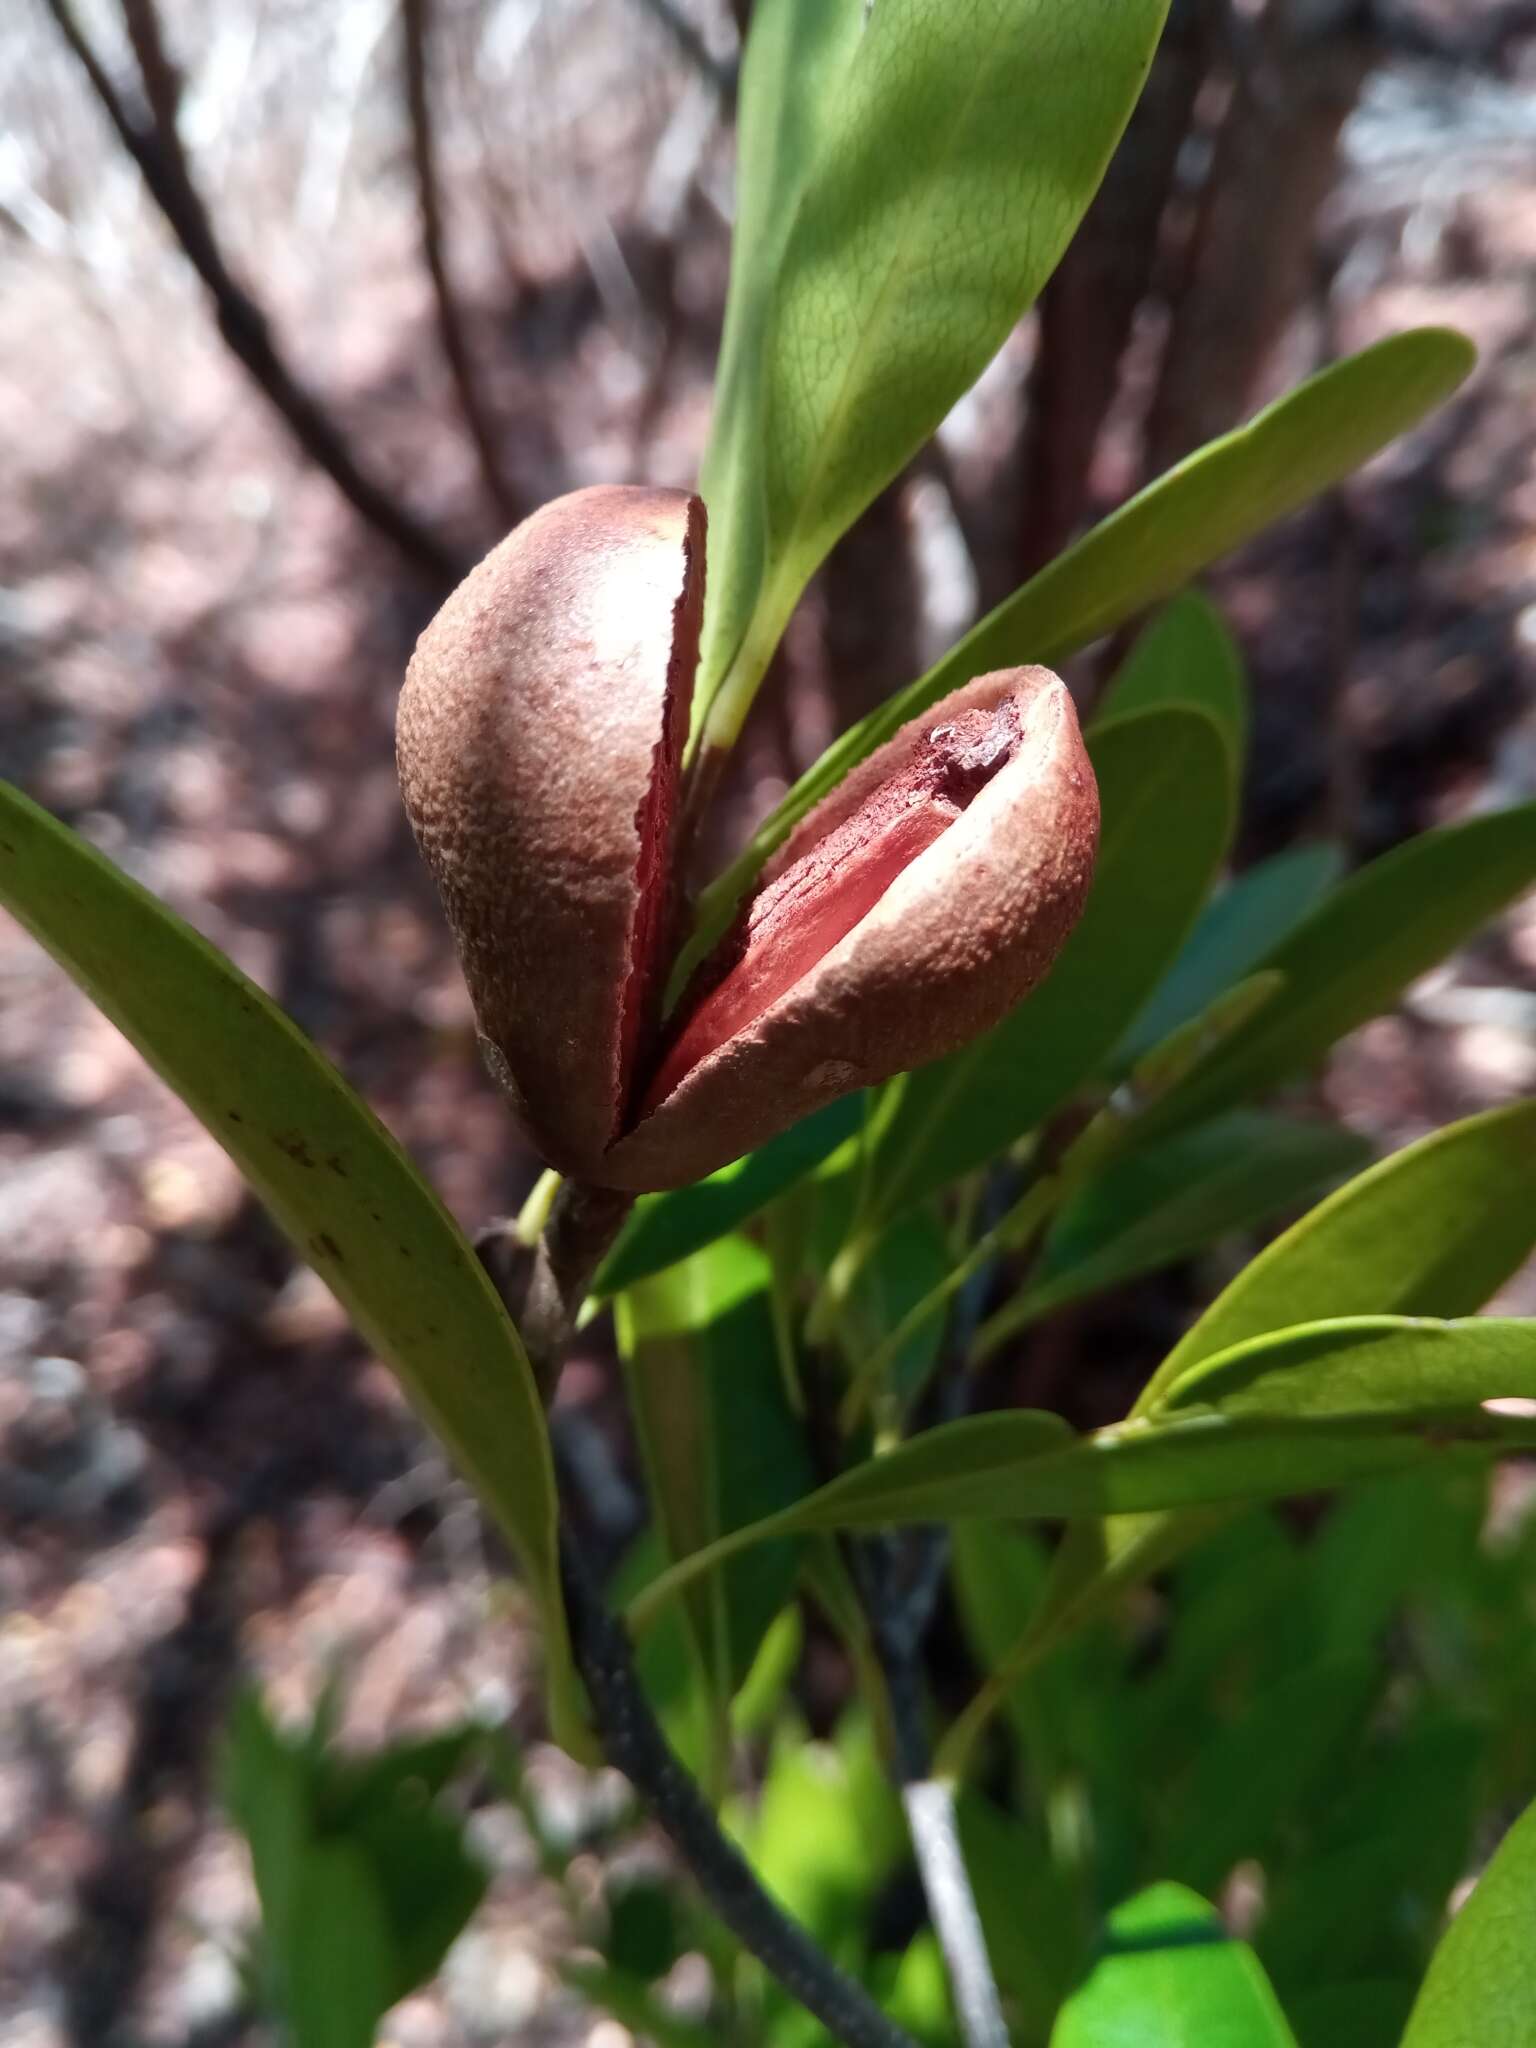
720 1443
662 1229
1167 814
1256 1777
1366 1365
955 153
1434 1230
1367 2014
363 1882
338 1975
1170 1976
790 91
1481 1985
1209 504
1186 656
264 1784
1355 955
337 1183
1237 929
1024 1464
1165 1202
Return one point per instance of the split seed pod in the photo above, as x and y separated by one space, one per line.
909 912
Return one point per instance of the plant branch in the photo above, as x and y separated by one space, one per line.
151 138
899 1579
581 1226
416 26
635 1745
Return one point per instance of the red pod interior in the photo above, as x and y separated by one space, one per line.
796 919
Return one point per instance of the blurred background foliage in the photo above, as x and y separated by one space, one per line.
462 257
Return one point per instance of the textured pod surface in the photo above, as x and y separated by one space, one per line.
539 737
908 914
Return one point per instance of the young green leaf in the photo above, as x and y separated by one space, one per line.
662 1229
1186 656
337 1183
1481 1985
1209 504
1238 928
1165 1202
1170 1976
1434 1230
1167 810
962 150
1355 955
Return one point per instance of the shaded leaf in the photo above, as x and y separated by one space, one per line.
1238 928
1185 656
1164 1202
1360 949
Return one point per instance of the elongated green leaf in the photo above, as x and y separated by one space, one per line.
1367 1365
1434 1230
1166 1202
1186 656
720 1444
336 1984
666 1228
338 1184
1355 955
1167 813
1022 1464
965 148
1237 929
1218 498
1170 1976
792 78
1481 1985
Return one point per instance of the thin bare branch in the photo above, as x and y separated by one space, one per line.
416 27
150 137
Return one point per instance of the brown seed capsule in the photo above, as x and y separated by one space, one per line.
539 737
909 912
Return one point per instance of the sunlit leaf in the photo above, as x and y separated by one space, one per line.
1170 1976
1481 1985
954 154
337 1183
1434 1230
